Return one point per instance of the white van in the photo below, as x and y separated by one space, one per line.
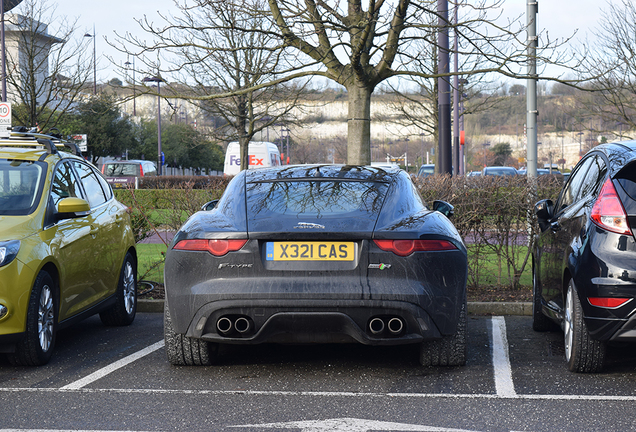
261 155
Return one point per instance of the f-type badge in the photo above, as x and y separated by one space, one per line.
309 225
380 266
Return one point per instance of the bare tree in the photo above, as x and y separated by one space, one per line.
360 46
613 91
46 68
219 47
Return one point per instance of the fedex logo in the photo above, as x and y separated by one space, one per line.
253 160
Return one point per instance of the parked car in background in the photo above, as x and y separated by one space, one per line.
125 173
317 254
541 172
499 171
67 249
584 258
426 170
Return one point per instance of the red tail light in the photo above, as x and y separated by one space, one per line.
407 247
215 247
608 211
141 170
608 302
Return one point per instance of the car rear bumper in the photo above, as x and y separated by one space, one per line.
312 321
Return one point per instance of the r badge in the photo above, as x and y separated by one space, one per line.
380 266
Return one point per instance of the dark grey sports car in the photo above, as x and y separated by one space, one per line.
317 254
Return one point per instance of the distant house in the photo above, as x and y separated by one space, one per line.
27 45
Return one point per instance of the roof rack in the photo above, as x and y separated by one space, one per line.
50 143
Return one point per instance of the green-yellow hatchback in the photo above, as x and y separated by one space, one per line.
67 249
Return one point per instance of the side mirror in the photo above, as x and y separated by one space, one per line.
209 205
69 208
544 210
444 208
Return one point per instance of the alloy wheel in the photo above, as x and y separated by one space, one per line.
568 323
46 318
129 288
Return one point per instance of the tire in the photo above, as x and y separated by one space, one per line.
125 308
185 351
36 348
582 353
540 322
449 350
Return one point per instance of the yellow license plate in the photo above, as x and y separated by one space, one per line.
310 251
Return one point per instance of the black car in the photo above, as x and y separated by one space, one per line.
584 259
317 254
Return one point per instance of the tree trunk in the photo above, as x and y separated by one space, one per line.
359 125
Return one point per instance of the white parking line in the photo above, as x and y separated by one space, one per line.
112 367
504 385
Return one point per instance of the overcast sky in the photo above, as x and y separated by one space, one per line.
561 18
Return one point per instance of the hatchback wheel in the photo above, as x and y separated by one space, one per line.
125 308
582 353
185 351
37 346
448 351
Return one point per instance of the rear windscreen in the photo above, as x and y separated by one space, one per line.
315 198
121 169
627 179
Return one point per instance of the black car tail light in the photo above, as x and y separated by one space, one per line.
407 247
608 302
215 247
608 211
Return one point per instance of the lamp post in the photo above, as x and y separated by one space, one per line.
94 36
134 86
158 80
580 149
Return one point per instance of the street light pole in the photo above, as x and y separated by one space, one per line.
94 36
134 86
157 80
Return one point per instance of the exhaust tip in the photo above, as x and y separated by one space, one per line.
376 325
224 325
395 325
242 325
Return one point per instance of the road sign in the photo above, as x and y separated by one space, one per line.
5 119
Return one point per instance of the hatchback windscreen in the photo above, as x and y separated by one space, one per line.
20 184
121 169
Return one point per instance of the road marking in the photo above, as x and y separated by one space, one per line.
324 394
348 425
504 385
113 367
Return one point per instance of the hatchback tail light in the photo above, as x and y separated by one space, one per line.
215 247
407 247
608 211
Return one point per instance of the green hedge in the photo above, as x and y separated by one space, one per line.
491 214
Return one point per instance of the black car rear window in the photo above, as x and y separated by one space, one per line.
315 198
627 179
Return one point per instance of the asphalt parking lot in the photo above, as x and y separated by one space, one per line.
118 379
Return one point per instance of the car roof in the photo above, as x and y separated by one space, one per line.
36 146
315 171
619 154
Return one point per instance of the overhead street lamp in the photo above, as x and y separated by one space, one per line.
157 80
128 64
94 36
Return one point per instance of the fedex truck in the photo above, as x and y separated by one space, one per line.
261 154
